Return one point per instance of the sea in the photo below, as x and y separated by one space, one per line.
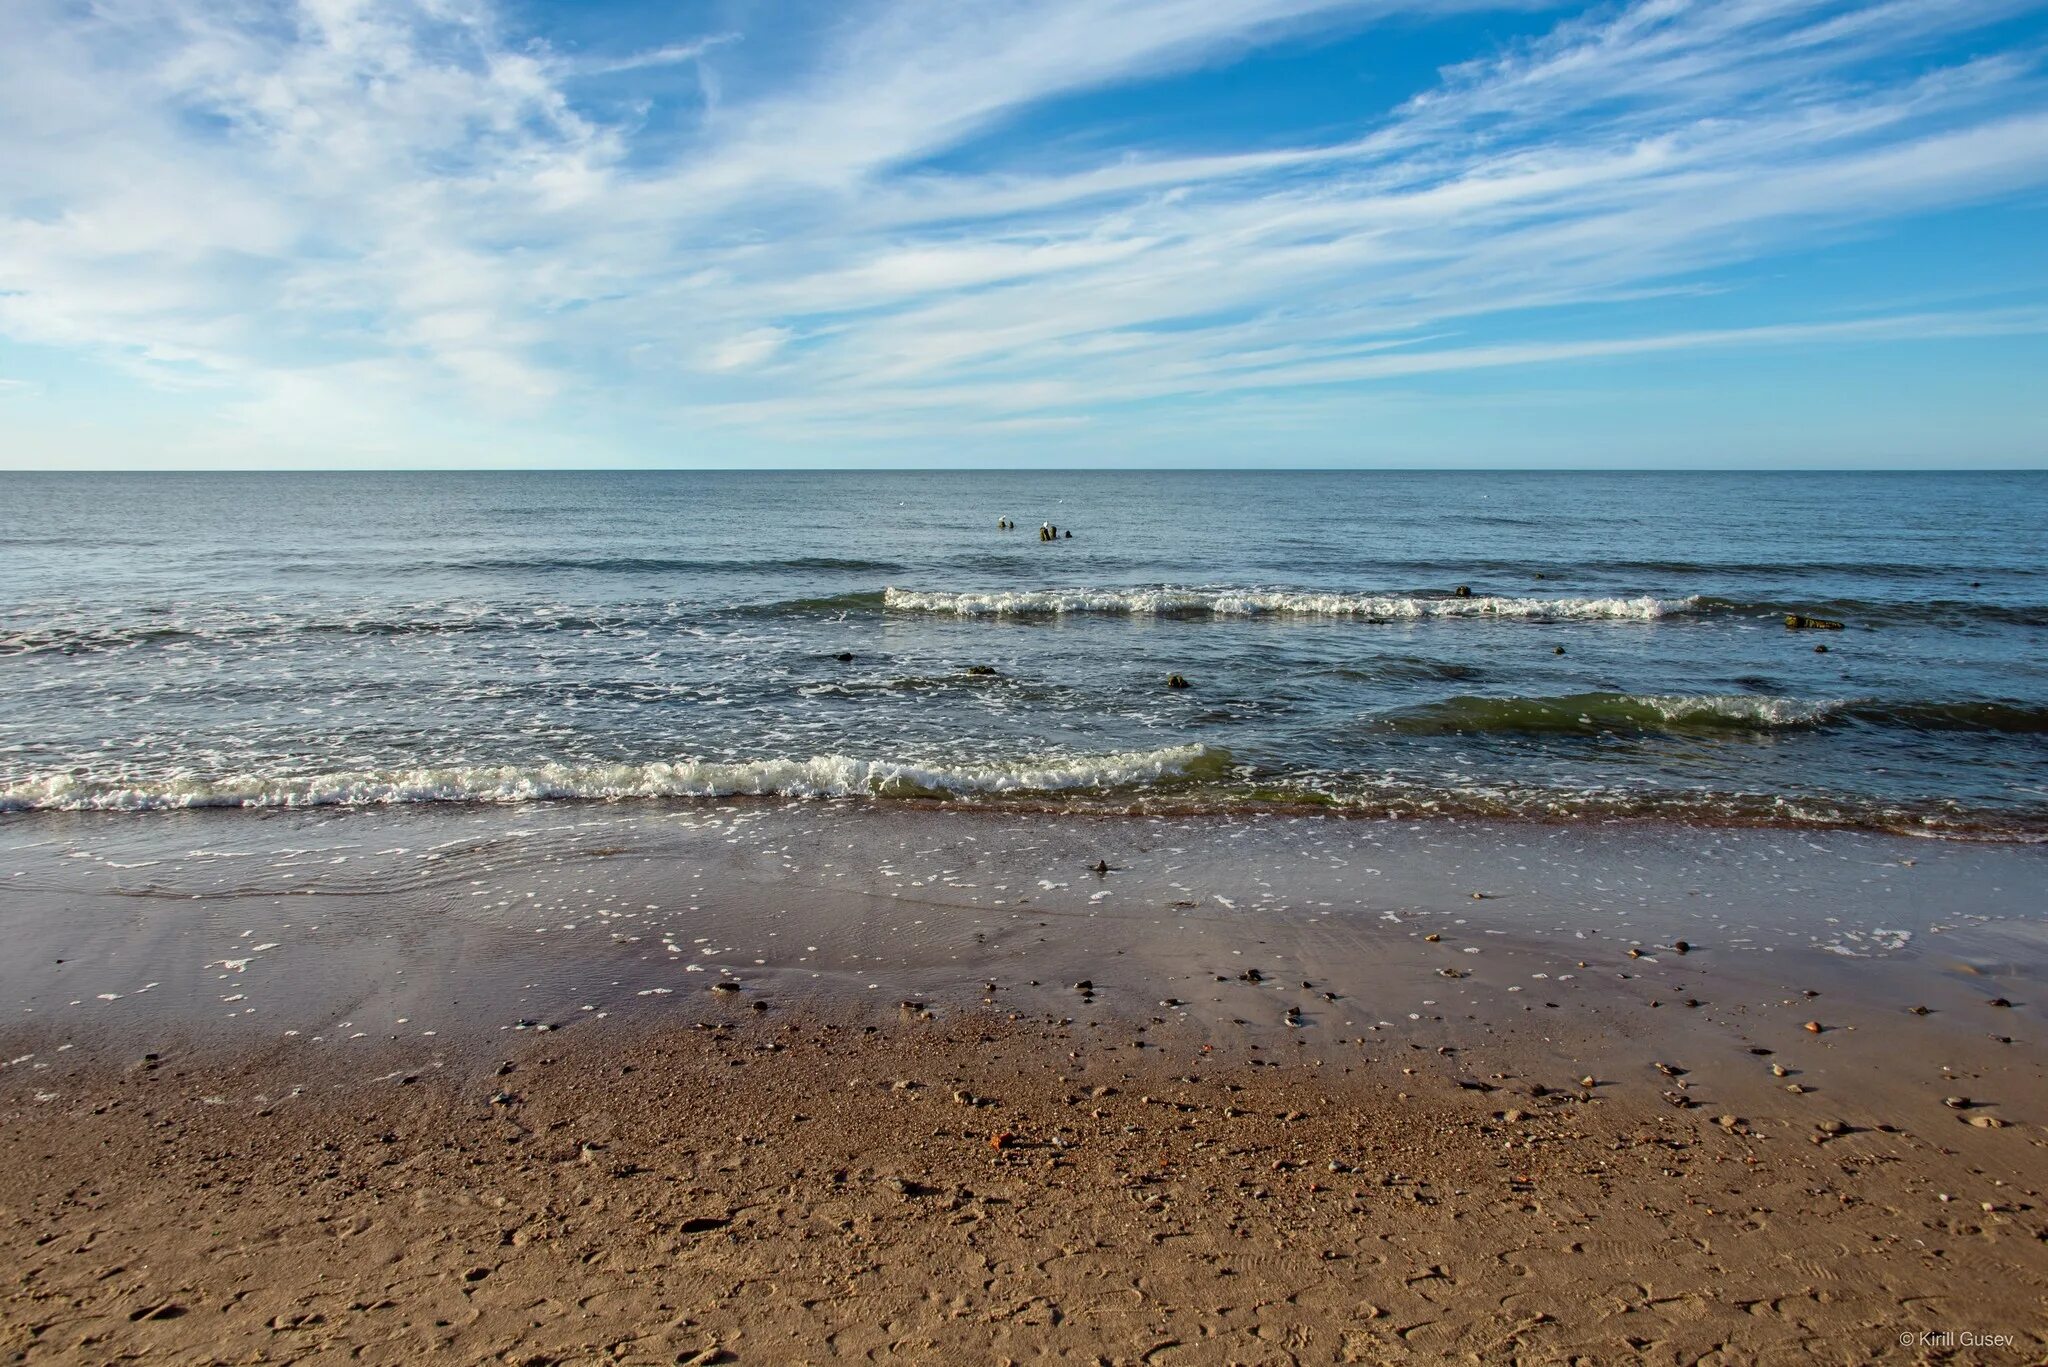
1545 646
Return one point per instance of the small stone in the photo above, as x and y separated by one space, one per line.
1987 1122
1085 985
1795 1089
1432 937
1814 1027
1956 1103
725 986
1635 954
1832 1127
1588 1081
1681 947
1780 1070
1511 1117
1727 1122
1919 1010
1176 681
1998 1001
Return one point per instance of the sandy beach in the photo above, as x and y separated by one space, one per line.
768 1082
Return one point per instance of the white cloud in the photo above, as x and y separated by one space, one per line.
400 207
747 350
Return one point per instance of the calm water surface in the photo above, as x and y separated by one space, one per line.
186 640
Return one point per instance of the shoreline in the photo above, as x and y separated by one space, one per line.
1979 829
286 1030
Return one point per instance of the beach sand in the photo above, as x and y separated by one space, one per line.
403 1086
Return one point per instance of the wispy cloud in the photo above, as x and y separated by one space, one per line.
394 215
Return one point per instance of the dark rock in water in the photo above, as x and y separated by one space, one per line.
1681 946
1102 866
1557 650
1464 591
1820 650
843 656
1176 681
1795 621
981 669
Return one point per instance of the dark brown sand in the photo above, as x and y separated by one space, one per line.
1307 1126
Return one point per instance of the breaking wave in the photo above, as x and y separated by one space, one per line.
1590 713
1237 602
817 777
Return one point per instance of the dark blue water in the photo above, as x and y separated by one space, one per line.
179 640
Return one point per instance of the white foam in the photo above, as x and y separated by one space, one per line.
819 776
1759 711
1236 602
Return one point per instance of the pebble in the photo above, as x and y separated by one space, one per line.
1432 937
1813 1027
1998 1001
1987 1122
725 987
1956 1103
1832 1127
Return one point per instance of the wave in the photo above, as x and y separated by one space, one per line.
817 777
89 639
1593 713
1954 612
659 564
1188 780
1235 602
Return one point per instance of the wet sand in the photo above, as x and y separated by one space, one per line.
457 1084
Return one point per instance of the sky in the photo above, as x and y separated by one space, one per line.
299 234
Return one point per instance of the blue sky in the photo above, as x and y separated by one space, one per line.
453 233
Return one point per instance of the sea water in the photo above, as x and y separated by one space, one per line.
1547 645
